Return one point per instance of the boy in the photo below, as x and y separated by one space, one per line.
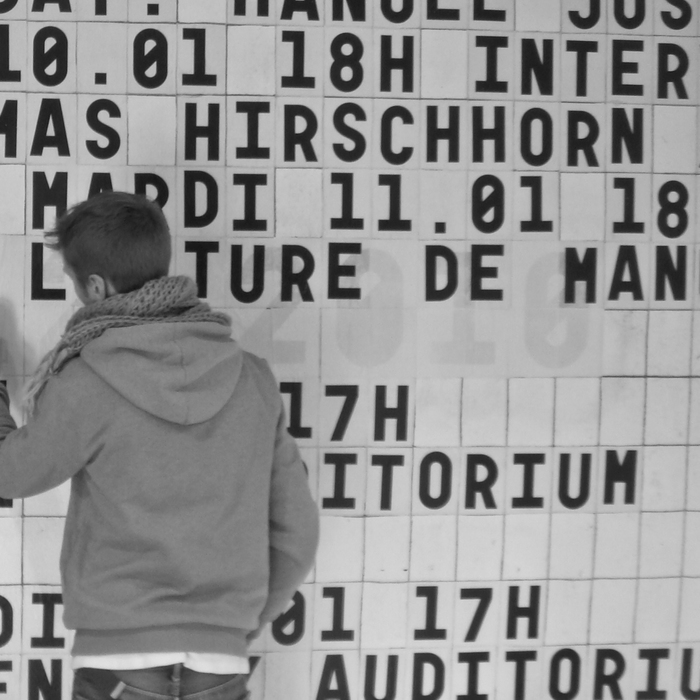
190 523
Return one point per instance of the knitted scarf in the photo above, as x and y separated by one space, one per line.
163 300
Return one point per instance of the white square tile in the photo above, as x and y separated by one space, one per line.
346 411
151 57
442 205
43 671
298 202
10 674
658 602
622 411
10 619
11 536
438 412
384 619
194 11
613 607
13 107
572 541
397 72
526 546
674 212
49 503
479 547
624 342
383 670
577 409
491 67
669 345
617 545
337 616
387 548
522 616
42 621
691 553
250 131
586 67
300 57
661 547
101 57
694 423
484 411
54 69
106 141
628 276
328 671
430 673
483 482
349 62
628 207
151 127
389 482
576 481
146 11
568 607
530 411
394 410
582 206
250 207
201 131
536 205
664 478
538 15
12 207
294 627
675 139
435 476
296 347
299 138
433 548
202 261
583 151
693 479
528 480
633 156
348 143
288 672
342 475
619 487
340 551
12 286
666 420
689 610
53 141
41 549
444 64
431 612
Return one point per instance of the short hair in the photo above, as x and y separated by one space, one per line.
122 237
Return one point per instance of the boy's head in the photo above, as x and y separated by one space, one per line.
114 241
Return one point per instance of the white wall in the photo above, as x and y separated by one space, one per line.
479 292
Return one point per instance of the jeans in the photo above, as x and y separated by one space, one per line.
163 683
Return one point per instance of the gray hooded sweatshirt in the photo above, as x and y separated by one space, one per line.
190 520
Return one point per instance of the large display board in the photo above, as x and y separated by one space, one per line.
464 234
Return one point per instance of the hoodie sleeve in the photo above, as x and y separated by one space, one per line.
43 453
294 524
7 422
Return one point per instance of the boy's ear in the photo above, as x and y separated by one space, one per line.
98 288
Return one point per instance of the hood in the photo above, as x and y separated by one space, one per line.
181 372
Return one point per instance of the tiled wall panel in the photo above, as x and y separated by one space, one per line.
480 295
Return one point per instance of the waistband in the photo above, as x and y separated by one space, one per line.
162 680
